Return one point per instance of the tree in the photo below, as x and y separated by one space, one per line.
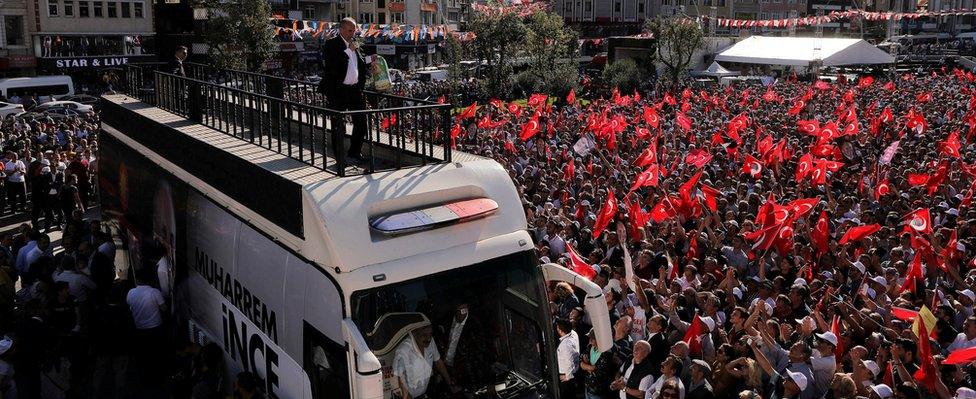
551 49
453 55
677 41
499 40
239 34
623 74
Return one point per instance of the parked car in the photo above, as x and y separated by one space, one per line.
61 113
82 99
8 109
79 108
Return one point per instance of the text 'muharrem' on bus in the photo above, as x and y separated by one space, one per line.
321 285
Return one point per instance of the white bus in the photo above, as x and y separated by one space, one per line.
42 86
313 281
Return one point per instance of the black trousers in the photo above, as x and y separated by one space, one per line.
348 98
16 195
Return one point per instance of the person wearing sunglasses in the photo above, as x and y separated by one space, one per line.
670 390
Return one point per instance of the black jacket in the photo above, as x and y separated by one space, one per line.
336 62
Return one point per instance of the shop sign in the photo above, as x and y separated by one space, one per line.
396 7
21 61
386 49
428 7
91 62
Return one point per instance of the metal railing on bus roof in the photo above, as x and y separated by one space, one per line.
290 117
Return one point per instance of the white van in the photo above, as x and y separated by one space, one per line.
42 86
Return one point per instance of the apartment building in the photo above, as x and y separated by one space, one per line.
16 57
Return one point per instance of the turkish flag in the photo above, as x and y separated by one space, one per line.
579 265
890 86
821 233
821 85
927 374
569 171
497 104
923 97
663 210
698 158
683 121
515 110
508 144
693 336
913 276
828 132
638 218
864 82
455 132
651 118
882 189
800 207
607 214
571 98
468 112
648 156
668 99
951 145
537 100
961 356
808 126
916 122
904 314
950 251
804 166
646 178
919 221
918 179
796 108
839 348
858 232
529 129
710 194
752 166
765 238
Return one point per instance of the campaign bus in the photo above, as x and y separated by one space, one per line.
315 282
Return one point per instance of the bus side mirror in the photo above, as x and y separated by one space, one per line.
594 303
366 371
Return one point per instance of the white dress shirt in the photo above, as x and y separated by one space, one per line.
414 367
456 329
352 67
568 353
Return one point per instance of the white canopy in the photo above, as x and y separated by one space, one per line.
800 51
716 70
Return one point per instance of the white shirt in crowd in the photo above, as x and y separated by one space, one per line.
638 324
414 367
823 370
655 389
961 342
146 304
456 329
165 274
644 385
568 353
79 284
352 68
15 171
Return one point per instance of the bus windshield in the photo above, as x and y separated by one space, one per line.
487 322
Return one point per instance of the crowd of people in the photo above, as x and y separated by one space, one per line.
797 240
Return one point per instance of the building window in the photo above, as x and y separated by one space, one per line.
69 8
640 7
113 9
83 9
126 10
588 6
137 9
381 18
616 7
308 12
365 18
396 17
97 9
13 28
52 8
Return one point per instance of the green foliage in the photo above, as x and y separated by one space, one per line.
622 74
499 40
677 41
551 49
238 34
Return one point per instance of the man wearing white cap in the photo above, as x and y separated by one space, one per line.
793 383
708 348
964 306
966 338
881 391
823 362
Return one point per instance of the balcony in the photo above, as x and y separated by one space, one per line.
290 118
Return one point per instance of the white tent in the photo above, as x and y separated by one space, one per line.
800 51
716 70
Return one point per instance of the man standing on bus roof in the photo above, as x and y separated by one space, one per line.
414 366
175 66
342 84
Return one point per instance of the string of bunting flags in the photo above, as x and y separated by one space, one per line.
833 16
304 29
